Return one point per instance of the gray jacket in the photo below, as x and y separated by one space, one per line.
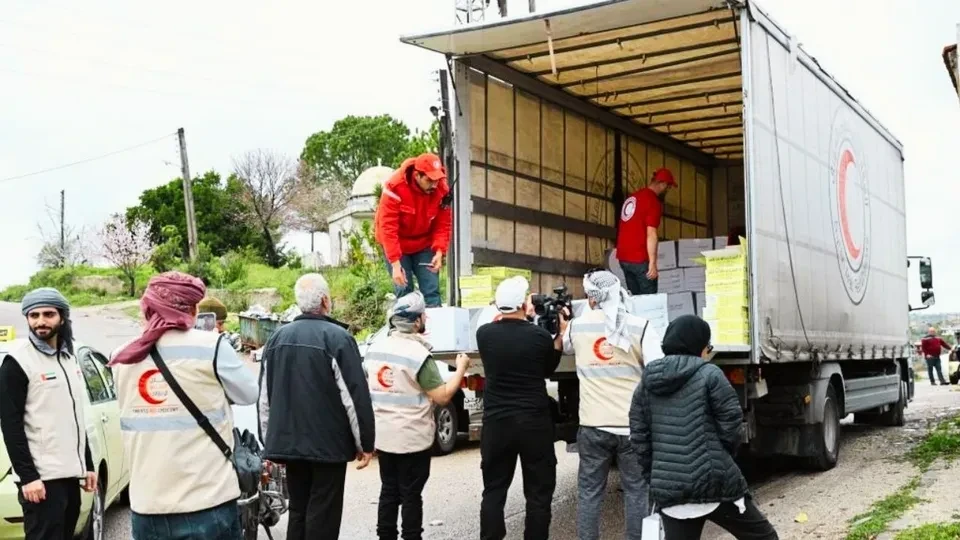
685 422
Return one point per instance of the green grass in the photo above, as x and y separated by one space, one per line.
883 512
932 531
63 280
942 442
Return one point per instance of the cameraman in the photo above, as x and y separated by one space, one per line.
517 358
610 346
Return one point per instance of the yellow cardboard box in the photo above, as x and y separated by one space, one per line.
476 282
502 272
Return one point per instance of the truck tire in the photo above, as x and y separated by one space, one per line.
827 442
447 421
894 416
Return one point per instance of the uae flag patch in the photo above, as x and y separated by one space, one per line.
48 376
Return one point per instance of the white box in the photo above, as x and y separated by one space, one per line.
613 264
680 304
652 307
695 279
448 329
670 281
666 255
691 248
720 242
701 301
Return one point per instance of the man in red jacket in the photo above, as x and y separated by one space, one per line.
413 223
933 346
637 237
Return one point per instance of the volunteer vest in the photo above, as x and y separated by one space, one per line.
608 375
53 417
403 413
174 466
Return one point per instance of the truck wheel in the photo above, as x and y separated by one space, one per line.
445 438
828 439
894 416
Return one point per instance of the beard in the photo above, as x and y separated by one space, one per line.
50 331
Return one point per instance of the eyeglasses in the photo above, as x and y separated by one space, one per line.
709 349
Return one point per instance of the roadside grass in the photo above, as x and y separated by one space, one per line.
943 442
868 525
932 531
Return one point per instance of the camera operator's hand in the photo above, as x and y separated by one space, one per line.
530 310
564 322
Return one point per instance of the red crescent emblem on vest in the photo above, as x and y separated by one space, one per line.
143 386
603 349
385 377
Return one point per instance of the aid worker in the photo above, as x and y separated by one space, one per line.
405 384
610 346
413 223
637 234
42 398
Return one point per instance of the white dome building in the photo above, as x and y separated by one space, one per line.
360 207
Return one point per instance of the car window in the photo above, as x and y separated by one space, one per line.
95 386
107 373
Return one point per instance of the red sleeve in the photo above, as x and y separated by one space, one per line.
388 217
441 230
944 344
653 210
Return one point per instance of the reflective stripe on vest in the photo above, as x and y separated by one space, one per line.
403 413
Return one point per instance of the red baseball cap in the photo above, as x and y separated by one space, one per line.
664 175
430 165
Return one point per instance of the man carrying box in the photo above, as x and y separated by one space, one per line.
637 236
413 223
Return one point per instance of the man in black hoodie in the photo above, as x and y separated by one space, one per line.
685 423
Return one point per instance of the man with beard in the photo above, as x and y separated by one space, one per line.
637 235
42 396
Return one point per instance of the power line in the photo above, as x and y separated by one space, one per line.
88 160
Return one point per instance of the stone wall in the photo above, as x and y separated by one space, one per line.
237 301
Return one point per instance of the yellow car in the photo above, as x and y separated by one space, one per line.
106 446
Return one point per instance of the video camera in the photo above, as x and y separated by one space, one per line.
548 308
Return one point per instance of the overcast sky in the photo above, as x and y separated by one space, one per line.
81 79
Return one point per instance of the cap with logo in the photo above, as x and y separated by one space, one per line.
511 294
665 176
430 165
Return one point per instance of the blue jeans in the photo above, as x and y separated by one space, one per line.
217 523
637 280
416 265
598 449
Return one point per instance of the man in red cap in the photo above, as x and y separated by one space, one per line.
413 223
637 236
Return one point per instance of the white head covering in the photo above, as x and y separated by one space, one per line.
604 288
403 314
511 294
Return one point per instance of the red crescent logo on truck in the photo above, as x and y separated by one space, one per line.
147 388
385 377
846 160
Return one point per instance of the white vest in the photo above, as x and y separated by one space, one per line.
53 418
608 375
174 466
403 412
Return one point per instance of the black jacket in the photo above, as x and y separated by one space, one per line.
685 424
319 402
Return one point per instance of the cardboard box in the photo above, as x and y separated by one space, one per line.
695 279
670 281
701 301
476 282
652 307
689 249
502 272
666 255
720 242
448 328
680 304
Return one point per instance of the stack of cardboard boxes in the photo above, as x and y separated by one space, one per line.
727 309
478 290
682 278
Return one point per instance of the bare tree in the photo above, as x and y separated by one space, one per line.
270 183
127 246
58 251
315 202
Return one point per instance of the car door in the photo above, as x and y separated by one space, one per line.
102 399
120 464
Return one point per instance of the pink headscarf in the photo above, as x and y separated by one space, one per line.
169 303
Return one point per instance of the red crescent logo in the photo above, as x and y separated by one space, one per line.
144 387
846 159
603 350
385 377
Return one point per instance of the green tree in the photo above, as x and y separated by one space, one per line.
424 141
220 211
354 144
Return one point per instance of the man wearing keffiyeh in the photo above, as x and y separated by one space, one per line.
610 346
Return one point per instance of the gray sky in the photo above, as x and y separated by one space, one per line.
83 79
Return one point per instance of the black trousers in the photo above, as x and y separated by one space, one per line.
750 525
316 500
933 363
54 518
529 438
402 478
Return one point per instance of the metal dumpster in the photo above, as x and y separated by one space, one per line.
255 331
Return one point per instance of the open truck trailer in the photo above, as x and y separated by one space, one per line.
551 120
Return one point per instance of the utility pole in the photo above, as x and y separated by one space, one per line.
188 197
532 4
63 237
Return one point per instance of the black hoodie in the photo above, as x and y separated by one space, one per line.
685 424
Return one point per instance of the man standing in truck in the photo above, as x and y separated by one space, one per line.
413 223
932 346
610 346
637 235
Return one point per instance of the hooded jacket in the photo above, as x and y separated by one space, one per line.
407 220
685 424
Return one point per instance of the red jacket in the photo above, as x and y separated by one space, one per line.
932 346
408 220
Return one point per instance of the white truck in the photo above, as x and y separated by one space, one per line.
552 119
